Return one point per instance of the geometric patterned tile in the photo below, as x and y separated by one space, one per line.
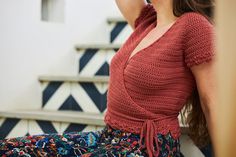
11 128
34 128
84 100
7 125
95 61
87 55
70 104
48 127
98 98
119 32
57 90
49 89
71 127
56 97
74 96
103 70
21 128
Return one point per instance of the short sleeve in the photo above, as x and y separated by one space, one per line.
199 40
145 14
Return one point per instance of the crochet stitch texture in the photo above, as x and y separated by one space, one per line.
147 91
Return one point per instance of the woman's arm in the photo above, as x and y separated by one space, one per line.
200 57
205 75
130 9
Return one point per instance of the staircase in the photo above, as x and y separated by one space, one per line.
73 103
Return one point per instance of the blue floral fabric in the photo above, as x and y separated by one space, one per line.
108 142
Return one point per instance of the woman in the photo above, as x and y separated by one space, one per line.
166 64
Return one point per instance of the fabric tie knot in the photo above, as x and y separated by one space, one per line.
148 132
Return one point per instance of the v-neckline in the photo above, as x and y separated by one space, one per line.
128 54
146 32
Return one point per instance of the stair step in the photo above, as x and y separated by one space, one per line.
36 122
91 103
56 116
74 93
80 47
63 116
32 122
94 79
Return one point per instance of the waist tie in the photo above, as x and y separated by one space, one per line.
148 132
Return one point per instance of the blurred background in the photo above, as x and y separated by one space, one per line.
54 63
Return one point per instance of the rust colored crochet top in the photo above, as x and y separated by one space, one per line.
147 91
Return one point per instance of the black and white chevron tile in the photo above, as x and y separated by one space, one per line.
75 96
95 61
14 127
119 31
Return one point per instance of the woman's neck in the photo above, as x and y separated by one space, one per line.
164 9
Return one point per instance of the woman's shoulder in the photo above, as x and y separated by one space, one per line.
198 40
196 19
195 23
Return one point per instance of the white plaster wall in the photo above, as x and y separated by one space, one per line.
30 47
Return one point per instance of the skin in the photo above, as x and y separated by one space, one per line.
165 16
206 87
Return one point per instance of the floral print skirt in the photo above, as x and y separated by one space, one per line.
108 142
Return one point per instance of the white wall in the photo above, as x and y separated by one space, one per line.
30 47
